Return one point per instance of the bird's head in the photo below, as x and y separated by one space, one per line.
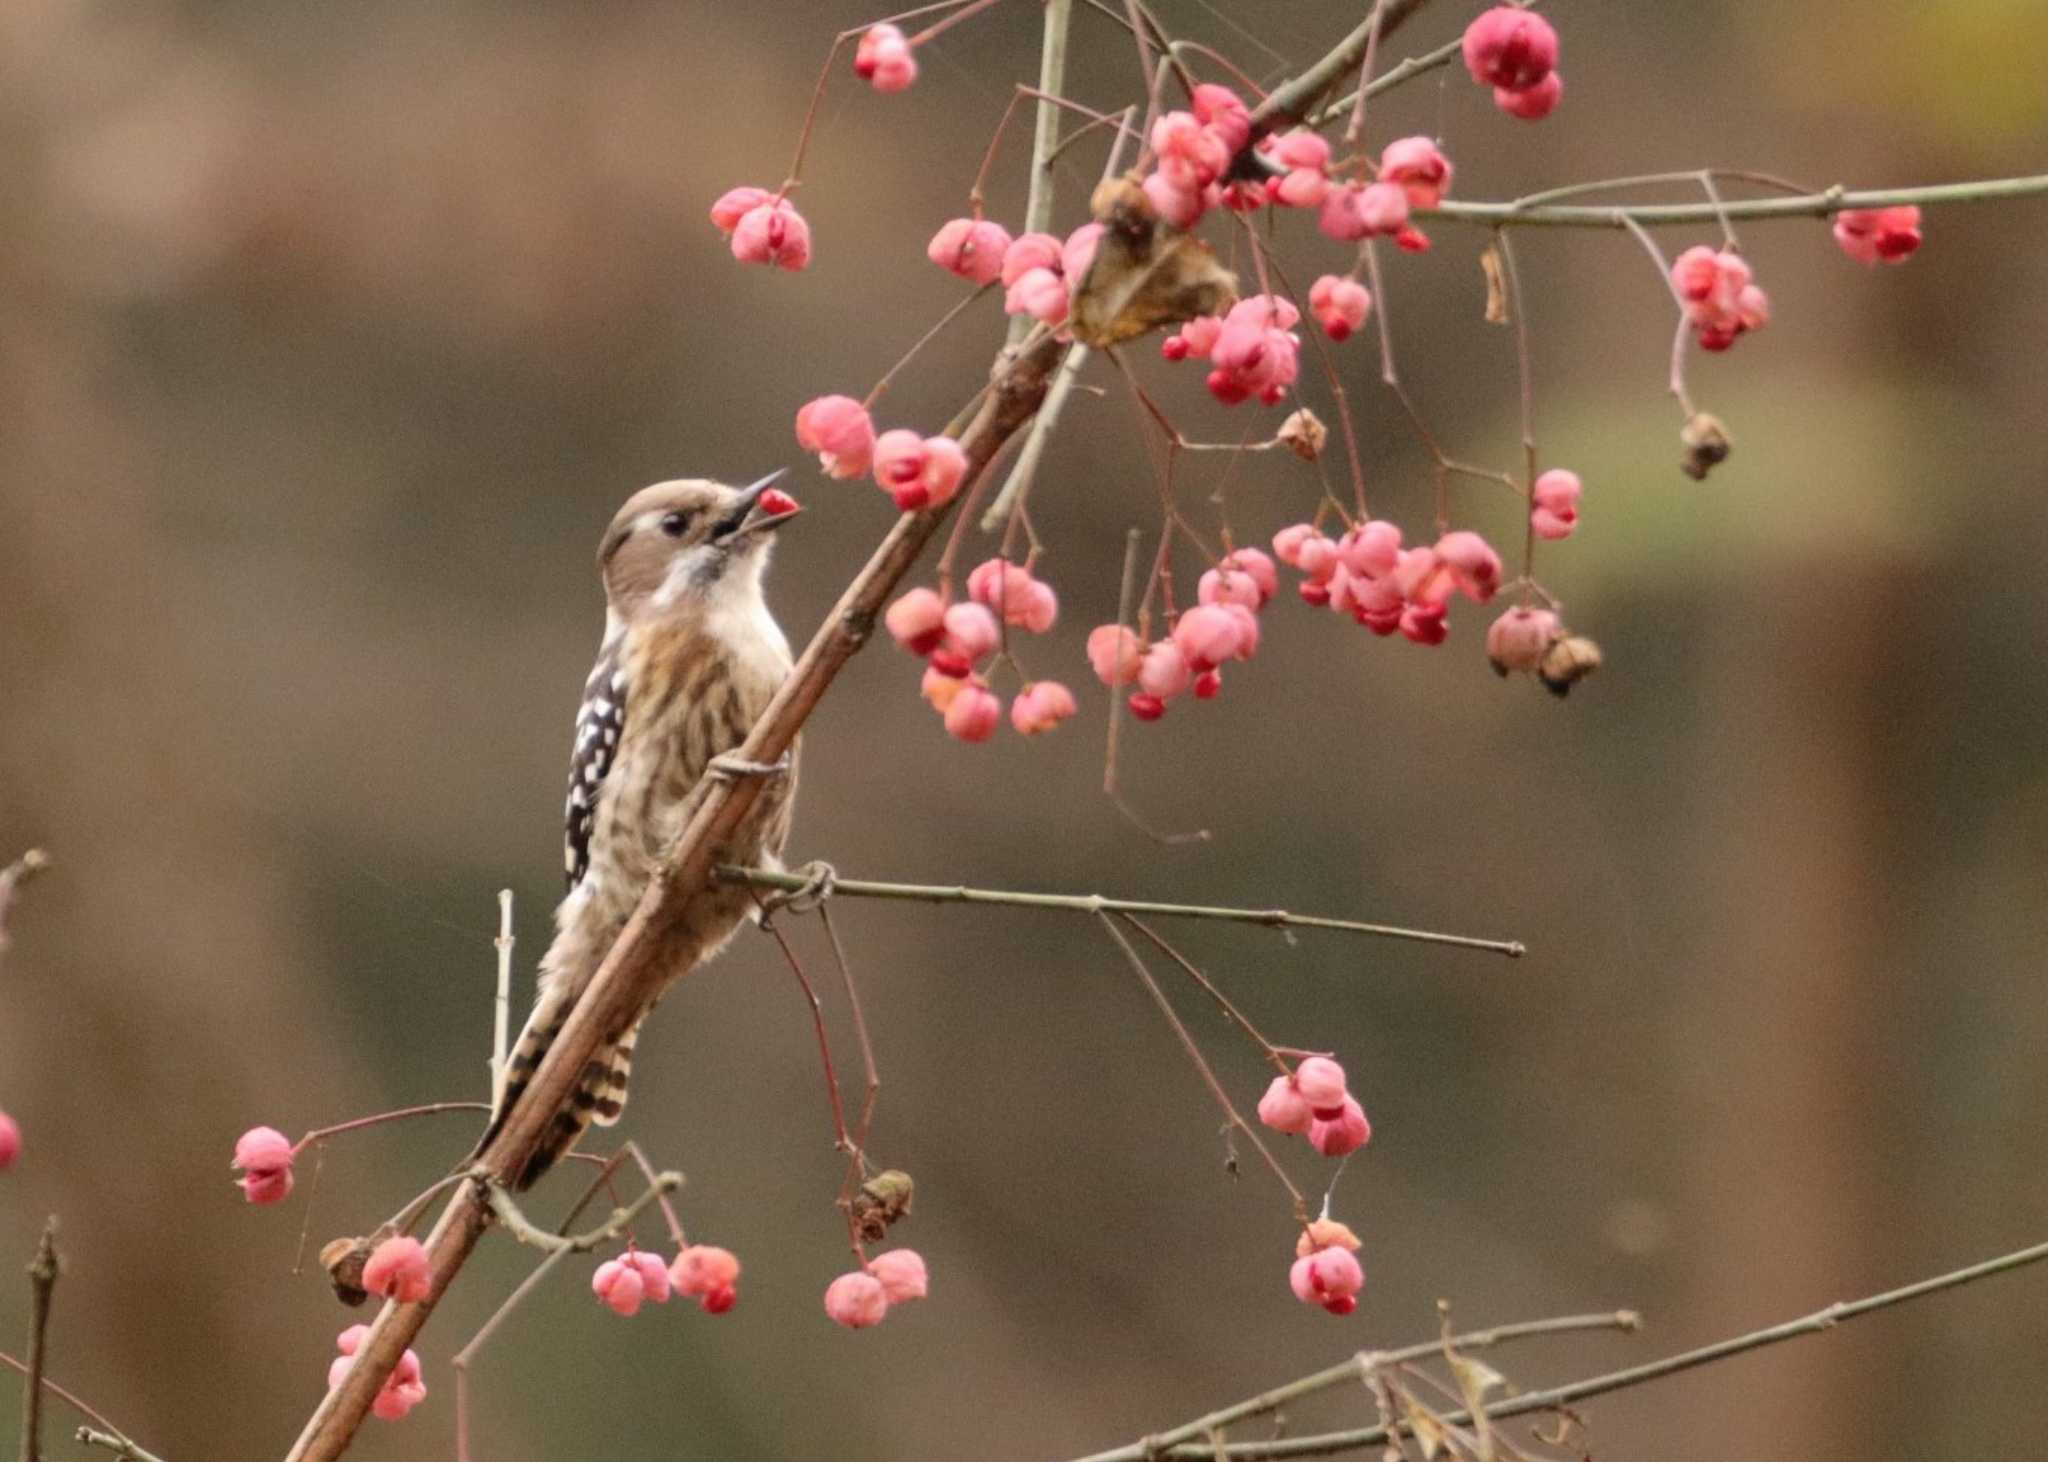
688 542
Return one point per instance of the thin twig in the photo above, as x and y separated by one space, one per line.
1021 475
1347 1371
111 1434
1052 81
1095 903
1194 1054
42 1280
501 1013
123 1448
12 877
1823 204
1332 1443
526 1231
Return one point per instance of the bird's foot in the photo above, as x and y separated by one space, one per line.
731 767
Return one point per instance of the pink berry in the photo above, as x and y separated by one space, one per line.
1011 590
735 204
1329 1277
1531 103
10 1142
1206 636
1554 499
1189 154
856 1300
1869 235
972 248
397 1269
884 59
1256 563
1208 685
973 714
970 632
840 431
653 1274
1340 305
1283 1108
1147 707
1180 206
1420 167
1321 1084
402 1390
264 1155
619 1285
1424 624
773 233
1472 563
1346 1132
1039 293
1519 639
1223 112
1115 653
1511 47
917 621
901 1273
1372 549
1229 586
1040 706
708 1274
1288 542
1164 672
918 472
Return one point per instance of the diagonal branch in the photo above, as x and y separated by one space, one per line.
1330 1444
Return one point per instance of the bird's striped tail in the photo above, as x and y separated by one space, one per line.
599 1096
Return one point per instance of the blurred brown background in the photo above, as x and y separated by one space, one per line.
330 336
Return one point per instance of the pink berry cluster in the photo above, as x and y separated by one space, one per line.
1253 348
1326 1270
264 1155
1222 626
1312 1101
1514 51
863 1296
1871 235
1368 575
703 1272
953 639
1719 299
917 472
402 1390
764 228
884 59
1040 271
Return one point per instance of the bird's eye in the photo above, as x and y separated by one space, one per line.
674 524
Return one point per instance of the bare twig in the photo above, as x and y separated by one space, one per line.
1095 903
526 1231
1052 81
123 1448
1347 1371
1824 204
42 1280
12 877
501 1010
1332 1443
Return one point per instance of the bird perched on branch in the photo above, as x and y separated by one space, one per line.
690 658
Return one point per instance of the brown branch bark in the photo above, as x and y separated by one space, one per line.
42 1280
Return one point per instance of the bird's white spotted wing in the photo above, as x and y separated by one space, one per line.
600 721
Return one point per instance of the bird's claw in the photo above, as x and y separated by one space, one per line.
730 766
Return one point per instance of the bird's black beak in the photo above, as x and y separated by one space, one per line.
755 511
